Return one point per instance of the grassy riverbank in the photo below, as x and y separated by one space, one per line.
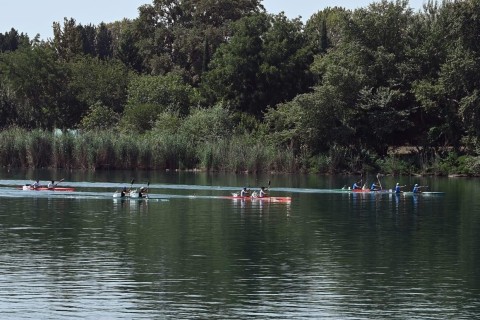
246 153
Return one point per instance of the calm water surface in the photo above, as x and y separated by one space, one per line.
188 254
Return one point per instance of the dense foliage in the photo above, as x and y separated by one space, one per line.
210 82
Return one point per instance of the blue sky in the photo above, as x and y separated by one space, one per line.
35 16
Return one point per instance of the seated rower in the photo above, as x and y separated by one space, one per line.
357 185
51 184
374 187
36 184
263 192
123 192
398 188
416 188
142 193
244 193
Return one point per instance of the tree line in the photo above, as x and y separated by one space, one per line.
340 92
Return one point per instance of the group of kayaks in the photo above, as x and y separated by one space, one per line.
45 188
390 191
131 194
50 187
236 196
142 193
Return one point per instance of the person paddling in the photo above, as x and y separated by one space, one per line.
142 193
374 187
417 188
398 188
263 192
357 185
245 193
35 185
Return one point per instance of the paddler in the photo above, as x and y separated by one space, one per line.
374 187
36 184
51 184
416 188
244 193
398 188
263 192
357 185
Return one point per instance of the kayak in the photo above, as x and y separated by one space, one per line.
423 193
370 191
389 191
267 198
129 195
28 187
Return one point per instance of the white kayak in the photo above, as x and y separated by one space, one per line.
132 194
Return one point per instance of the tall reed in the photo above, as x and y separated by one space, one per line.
174 152
244 153
9 156
112 150
126 151
63 154
39 147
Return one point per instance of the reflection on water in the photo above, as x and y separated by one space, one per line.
324 255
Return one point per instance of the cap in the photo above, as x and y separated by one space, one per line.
416 184
398 184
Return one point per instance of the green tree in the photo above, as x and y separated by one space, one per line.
88 34
314 120
104 42
233 72
168 92
68 41
209 124
285 60
11 41
368 67
149 96
175 33
104 81
265 62
99 117
39 88
126 49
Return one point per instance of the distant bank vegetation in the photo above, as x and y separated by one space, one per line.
226 86
95 150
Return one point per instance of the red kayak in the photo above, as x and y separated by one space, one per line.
47 189
268 198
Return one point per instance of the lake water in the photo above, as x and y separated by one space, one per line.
189 254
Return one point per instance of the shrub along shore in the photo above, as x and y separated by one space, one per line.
112 150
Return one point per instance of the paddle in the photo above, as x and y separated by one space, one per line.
61 180
378 179
146 190
131 183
